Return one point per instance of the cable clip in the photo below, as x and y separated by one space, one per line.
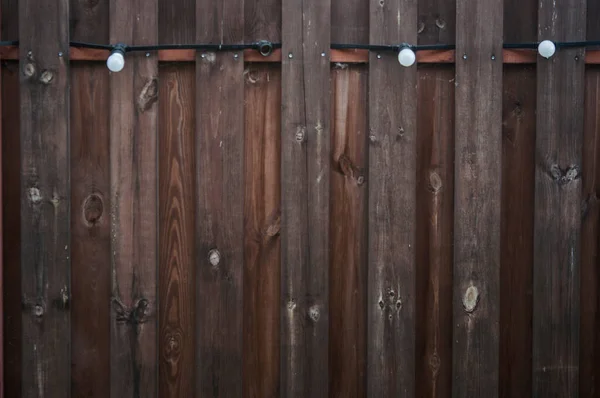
264 47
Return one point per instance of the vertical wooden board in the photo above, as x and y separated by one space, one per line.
518 157
478 155
11 227
435 196
219 200
2 282
45 198
437 21
305 176
176 282
90 209
262 19
133 171
392 204
261 230
350 21
347 328
557 215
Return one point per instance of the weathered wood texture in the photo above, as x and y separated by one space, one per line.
558 199
391 297
134 208
176 283
478 156
348 244
305 176
1 253
45 198
219 200
90 209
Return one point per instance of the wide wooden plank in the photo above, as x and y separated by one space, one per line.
219 200
392 205
45 198
261 230
305 176
133 171
90 209
478 171
348 241
558 198
435 198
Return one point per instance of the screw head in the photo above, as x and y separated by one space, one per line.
290 55
203 55
493 57
378 56
60 53
464 56
147 54
235 55
322 54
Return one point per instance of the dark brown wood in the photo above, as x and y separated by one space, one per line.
90 209
348 244
350 21
134 192
305 176
2 282
391 298
262 249
176 282
219 200
478 171
435 198
437 21
558 200
45 198
262 20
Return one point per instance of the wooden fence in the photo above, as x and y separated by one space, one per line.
315 223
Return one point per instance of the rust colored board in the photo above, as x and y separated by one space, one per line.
261 231
391 295
558 199
176 282
348 242
90 209
45 198
435 198
518 164
477 199
219 201
11 227
134 208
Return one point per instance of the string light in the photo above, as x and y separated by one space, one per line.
116 59
546 49
406 57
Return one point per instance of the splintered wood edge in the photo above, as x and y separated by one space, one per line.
337 56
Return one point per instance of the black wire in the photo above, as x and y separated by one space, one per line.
92 45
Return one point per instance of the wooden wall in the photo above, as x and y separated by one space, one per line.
300 228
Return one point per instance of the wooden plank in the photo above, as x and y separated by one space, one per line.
557 216
478 171
177 125
133 170
262 250
392 205
262 19
220 200
305 176
350 22
435 187
437 21
45 198
348 244
90 209
2 281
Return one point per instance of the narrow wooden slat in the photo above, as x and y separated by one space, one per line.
350 21
133 172
478 171
90 209
435 189
392 205
305 176
2 282
437 21
45 198
176 283
262 249
558 198
219 200
348 242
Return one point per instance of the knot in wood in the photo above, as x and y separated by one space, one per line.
29 70
471 299
421 27
46 77
172 345
148 95
140 311
381 304
93 207
214 257
34 195
38 310
314 313
434 363
360 180
291 305
440 23
435 182
300 134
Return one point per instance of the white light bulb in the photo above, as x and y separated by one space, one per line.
116 61
546 49
406 57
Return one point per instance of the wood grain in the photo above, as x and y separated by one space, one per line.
435 189
477 203
347 329
2 281
219 201
305 178
392 205
134 192
558 199
262 250
45 198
